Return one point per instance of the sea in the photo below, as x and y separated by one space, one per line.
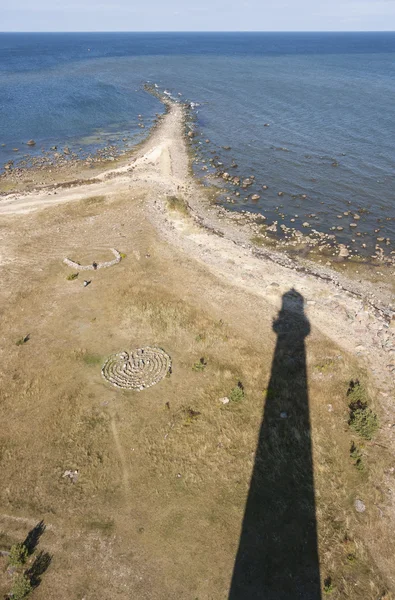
309 115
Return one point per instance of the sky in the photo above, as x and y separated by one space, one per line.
197 15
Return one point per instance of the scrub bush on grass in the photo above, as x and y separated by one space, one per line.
362 419
178 204
18 555
356 455
237 393
21 588
201 365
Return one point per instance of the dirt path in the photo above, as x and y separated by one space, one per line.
122 459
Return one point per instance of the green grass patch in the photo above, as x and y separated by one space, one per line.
94 200
92 359
72 276
105 526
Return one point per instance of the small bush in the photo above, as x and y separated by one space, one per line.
72 276
122 255
18 555
21 587
23 340
178 204
356 455
201 365
192 416
362 419
328 586
237 393
257 241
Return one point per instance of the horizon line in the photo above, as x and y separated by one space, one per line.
210 31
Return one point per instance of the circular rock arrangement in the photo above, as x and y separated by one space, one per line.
140 369
94 266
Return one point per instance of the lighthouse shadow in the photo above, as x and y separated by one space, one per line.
277 557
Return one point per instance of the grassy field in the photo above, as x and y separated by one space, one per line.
163 474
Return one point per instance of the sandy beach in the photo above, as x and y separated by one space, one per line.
188 270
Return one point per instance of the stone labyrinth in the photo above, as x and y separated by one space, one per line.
140 369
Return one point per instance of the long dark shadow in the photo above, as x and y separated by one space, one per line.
277 558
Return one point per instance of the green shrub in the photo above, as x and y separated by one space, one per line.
18 555
237 393
21 587
356 455
362 419
328 586
23 340
72 276
178 204
201 365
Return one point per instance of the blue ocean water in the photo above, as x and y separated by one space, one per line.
329 99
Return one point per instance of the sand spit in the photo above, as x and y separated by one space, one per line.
162 165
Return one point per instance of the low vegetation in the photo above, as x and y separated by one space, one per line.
18 555
26 566
362 418
200 365
237 393
23 340
72 276
357 457
178 204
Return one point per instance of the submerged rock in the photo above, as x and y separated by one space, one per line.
31 143
343 251
247 182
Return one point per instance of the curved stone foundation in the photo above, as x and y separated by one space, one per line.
140 369
94 266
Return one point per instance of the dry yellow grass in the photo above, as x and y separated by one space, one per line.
159 503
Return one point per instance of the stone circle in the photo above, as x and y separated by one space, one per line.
95 266
137 370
